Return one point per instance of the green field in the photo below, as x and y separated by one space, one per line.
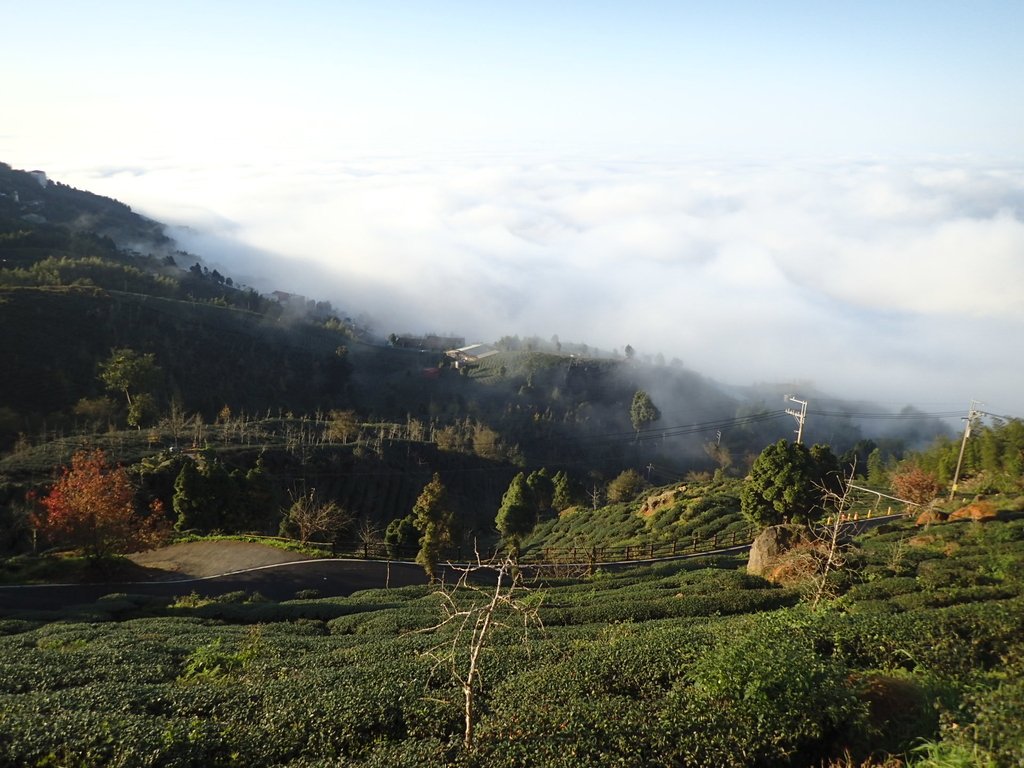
692 663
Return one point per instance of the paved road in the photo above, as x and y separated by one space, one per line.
331 578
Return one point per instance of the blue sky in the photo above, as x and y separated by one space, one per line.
706 180
748 77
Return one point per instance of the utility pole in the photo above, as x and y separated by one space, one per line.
800 416
972 414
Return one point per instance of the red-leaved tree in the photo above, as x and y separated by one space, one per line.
92 506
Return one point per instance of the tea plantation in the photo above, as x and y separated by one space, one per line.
692 663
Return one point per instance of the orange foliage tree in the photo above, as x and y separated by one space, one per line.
92 506
914 484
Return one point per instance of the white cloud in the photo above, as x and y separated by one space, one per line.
860 276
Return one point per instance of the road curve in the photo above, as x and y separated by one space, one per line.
281 581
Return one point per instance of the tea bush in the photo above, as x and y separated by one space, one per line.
671 665
768 697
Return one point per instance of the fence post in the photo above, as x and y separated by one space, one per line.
715 542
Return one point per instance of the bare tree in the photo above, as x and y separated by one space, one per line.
719 454
475 612
309 515
369 536
820 550
831 553
830 556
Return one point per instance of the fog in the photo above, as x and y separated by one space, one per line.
901 283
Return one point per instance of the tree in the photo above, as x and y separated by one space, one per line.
787 483
518 513
309 515
92 506
474 620
187 502
368 535
99 412
721 455
343 425
433 519
542 487
207 497
132 373
828 476
913 484
858 456
643 411
625 486
565 494
401 536
876 468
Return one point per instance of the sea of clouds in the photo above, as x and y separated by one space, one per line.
902 282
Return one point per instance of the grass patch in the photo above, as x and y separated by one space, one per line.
60 568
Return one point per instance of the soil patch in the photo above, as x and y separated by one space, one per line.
198 559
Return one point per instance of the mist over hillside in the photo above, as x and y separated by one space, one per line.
846 276
551 380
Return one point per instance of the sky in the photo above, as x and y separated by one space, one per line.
819 192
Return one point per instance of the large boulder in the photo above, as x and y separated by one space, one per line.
931 516
771 545
978 511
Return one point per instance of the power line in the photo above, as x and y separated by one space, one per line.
914 415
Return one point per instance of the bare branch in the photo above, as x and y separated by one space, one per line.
830 541
476 618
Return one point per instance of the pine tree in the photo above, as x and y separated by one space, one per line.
643 411
563 497
787 483
876 468
517 515
401 536
433 520
543 489
187 499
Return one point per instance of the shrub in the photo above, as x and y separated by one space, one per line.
999 712
767 698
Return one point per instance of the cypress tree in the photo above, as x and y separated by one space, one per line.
517 515
432 519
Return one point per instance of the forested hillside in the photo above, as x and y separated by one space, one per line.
116 338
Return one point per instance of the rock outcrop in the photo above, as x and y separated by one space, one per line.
978 511
771 545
